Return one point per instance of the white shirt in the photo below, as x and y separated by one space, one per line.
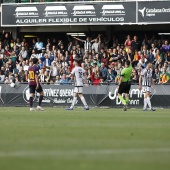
46 63
96 47
2 78
26 67
78 73
54 71
34 56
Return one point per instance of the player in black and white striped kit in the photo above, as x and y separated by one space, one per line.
145 84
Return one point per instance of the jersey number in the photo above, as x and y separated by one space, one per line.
80 74
31 75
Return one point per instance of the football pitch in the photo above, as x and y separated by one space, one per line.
98 139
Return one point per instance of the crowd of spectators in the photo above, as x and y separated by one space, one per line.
102 59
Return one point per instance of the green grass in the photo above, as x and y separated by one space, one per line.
98 139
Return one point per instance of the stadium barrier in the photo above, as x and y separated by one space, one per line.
96 96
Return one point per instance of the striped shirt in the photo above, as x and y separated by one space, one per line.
87 45
146 77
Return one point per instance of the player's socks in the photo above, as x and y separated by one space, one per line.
31 102
127 100
122 100
145 103
40 100
149 102
84 101
73 102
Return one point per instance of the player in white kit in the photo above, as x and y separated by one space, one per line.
78 74
145 83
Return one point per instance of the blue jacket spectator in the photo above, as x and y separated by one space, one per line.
103 71
47 60
64 80
111 75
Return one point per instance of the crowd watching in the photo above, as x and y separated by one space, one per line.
102 59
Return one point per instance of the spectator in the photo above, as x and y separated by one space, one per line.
47 75
64 80
16 69
165 47
39 45
134 77
33 55
23 53
95 78
128 43
164 76
87 43
96 44
48 44
7 53
32 45
142 62
25 64
1 59
47 60
7 80
21 74
6 38
11 65
57 80
103 71
54 71
135 44
16 80
70 46
2 77
105 59
42 77
156 76
42 53
62 49
150 56
7 70
26 76
110 76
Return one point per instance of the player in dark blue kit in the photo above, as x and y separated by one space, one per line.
34 84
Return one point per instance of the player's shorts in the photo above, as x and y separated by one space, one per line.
32 89
124 87
146 89
78 89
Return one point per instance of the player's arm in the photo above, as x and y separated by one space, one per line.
37 81
120 80
28 76
140 82
121 77
153 83
70 75
36 78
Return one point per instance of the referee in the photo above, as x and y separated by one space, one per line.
125 84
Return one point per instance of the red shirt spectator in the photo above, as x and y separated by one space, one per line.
95 79
105 59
